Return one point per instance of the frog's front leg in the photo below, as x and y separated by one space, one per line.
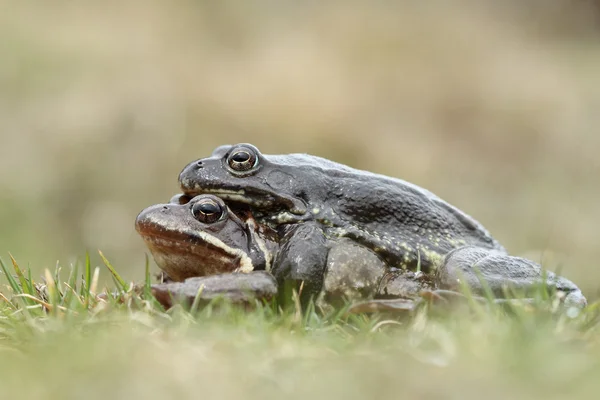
478 269
332 271
239 288
301 260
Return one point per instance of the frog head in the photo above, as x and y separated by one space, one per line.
242 174
201 236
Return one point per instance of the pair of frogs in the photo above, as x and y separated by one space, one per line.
249 224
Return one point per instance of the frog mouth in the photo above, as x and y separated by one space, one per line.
169 252
191 247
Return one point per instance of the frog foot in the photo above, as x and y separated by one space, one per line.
237 288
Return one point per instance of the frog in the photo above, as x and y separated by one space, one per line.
203 243
322 209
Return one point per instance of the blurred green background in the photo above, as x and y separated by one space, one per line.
494 106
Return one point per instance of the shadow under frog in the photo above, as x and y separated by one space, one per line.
203 242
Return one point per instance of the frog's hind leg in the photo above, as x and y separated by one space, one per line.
482 270
402 292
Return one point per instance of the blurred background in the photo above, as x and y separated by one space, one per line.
494 106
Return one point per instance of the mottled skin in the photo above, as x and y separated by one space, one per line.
314 201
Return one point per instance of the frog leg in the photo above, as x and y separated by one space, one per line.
399 291
480 270
239 288
301 260
357 274
484 270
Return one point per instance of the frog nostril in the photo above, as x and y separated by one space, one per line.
199 164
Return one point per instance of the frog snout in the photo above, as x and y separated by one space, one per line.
190 170
147 215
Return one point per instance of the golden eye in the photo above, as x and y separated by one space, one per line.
208 211
242 159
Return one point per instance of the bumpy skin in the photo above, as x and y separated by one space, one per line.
316 203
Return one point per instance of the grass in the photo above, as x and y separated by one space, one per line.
59 339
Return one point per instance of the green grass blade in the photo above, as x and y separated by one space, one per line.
118 280
88 278
197 301
11 280
148 279
26 285
69 292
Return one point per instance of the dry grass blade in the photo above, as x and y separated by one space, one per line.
46 305
383 323
7 301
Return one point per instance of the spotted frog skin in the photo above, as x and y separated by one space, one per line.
231 253
308 199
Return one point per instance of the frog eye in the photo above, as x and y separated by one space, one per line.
208 211
242 159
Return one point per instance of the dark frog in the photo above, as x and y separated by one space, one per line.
231 253
308 199
203 237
